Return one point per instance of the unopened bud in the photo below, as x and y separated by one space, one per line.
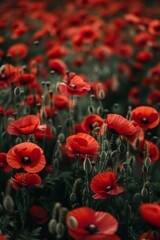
60 229
52 226
8 204
87 166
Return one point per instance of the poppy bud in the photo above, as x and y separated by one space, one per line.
144 169
18 140
17 91
144 192
52 226
8 204
60 229
87 166
147 162
73 197
91 109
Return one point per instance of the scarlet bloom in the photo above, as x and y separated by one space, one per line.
18 51
82 144
104 184
28 156
86 224
1 111
148 236
103 52
152 150
120 125
25 125
154 97
3 237
146 117
92 121
39 214
154 27
150 212
61 101
44 133
25 179
58 66
73 85
3 163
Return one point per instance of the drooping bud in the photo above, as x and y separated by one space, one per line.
8 204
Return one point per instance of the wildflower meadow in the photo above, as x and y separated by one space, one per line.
80 120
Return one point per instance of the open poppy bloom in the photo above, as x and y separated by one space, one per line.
146 117
18 51
3 163
39 214
92 121
150 212
120 125
25 179
82 144
73 85
86 224
104 184
58 66
25 125
152 149
28 156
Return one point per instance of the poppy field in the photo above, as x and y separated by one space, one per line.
80 120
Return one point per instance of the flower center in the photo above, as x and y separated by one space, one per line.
92 229
144 120
108 188
73 86
26 160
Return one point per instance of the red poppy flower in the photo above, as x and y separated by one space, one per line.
103 52
44 133
86 224
58 66
92 121
149 236
1 111
150 212
154 27
7 73
74 85
152 149
48 111
25 125
39 214
3 237
3 163
33 100
142 39
28 156
18 51
104 185
120 125
139 134
57 52
24 79
97 88
134 95
124 50
61 101
146 117
25 179
154 97
144 56
88 34
82 144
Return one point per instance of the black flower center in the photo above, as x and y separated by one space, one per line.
144 120
73 86
108 188
92 229
26 160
